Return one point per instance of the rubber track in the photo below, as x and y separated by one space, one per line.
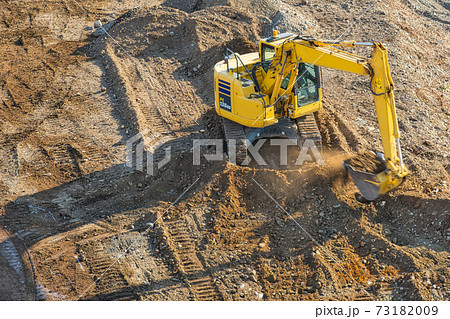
235 131
306 125
307 128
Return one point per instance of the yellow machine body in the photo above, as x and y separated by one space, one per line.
237 97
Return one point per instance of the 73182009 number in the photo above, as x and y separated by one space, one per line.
407 310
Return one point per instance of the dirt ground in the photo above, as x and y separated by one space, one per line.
77 223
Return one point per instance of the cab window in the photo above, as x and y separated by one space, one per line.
307 84
267 52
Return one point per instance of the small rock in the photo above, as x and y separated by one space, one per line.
271 278
97 24
261 245
104 28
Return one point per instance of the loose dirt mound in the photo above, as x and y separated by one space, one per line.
97 230
367 162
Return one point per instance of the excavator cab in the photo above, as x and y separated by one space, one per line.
267 52
306 87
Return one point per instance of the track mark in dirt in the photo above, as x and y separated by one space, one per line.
111 282
183 248
65 157
150 105
12 271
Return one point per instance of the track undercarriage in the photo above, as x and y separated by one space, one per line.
238 136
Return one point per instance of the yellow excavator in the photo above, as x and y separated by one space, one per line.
275 92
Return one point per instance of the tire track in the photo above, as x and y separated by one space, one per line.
112 284
148 104
183 248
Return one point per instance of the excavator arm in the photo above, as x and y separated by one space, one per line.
327 54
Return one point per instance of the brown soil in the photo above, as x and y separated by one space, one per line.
367 162
79 224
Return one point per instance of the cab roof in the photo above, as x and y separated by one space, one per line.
279 38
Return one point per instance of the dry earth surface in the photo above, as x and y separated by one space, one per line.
77 223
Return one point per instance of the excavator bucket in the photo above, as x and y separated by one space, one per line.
381 178
370 174
368 184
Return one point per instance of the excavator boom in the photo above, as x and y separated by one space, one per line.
327 55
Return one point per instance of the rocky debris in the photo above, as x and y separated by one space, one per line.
101 29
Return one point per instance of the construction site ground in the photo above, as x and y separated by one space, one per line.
77 223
